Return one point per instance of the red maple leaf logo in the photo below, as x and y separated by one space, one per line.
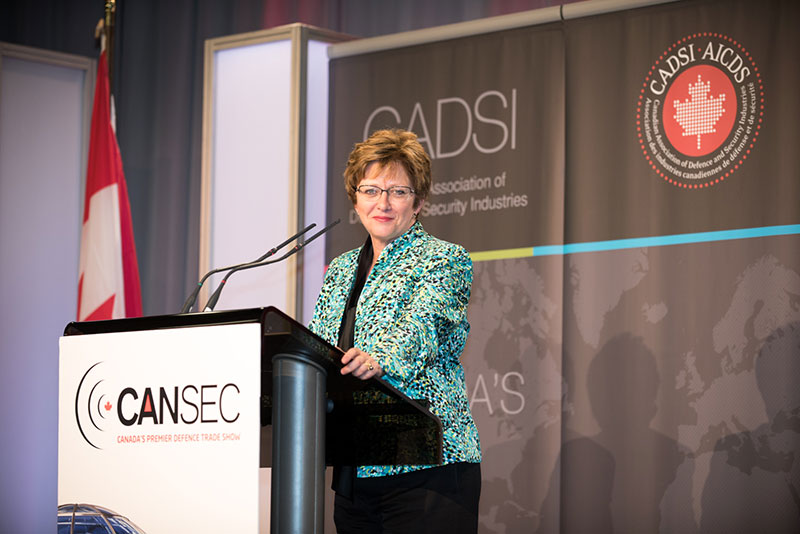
107 406
699 115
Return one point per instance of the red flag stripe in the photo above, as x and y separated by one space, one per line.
109 271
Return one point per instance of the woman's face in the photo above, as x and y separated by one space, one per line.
385 218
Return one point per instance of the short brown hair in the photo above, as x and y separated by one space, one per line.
390 147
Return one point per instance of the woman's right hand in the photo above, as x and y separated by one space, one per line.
360 364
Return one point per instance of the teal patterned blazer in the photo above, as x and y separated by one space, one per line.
412 318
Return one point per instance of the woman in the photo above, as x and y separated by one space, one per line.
397 306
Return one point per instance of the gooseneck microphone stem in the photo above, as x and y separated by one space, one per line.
212 301
187 306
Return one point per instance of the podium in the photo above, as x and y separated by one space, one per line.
125 398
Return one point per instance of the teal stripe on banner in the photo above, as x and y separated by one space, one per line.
660 241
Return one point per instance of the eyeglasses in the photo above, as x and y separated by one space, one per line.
396 192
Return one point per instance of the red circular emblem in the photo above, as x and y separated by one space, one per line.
700 110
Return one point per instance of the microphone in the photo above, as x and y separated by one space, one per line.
187 306
212 301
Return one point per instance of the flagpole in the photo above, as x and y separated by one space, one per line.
108 28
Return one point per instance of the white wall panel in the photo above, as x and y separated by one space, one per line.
44 114
250 181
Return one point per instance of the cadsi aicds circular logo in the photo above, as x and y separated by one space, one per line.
700 110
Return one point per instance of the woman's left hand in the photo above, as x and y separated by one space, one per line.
360 364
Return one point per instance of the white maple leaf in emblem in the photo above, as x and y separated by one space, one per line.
700 114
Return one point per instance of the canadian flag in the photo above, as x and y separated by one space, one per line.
108 287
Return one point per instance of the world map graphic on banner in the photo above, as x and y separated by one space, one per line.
528 402
700 110
513 364
720 379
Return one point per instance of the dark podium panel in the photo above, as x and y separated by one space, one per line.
369 422
317 415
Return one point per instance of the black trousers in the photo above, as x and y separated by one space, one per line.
434 500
